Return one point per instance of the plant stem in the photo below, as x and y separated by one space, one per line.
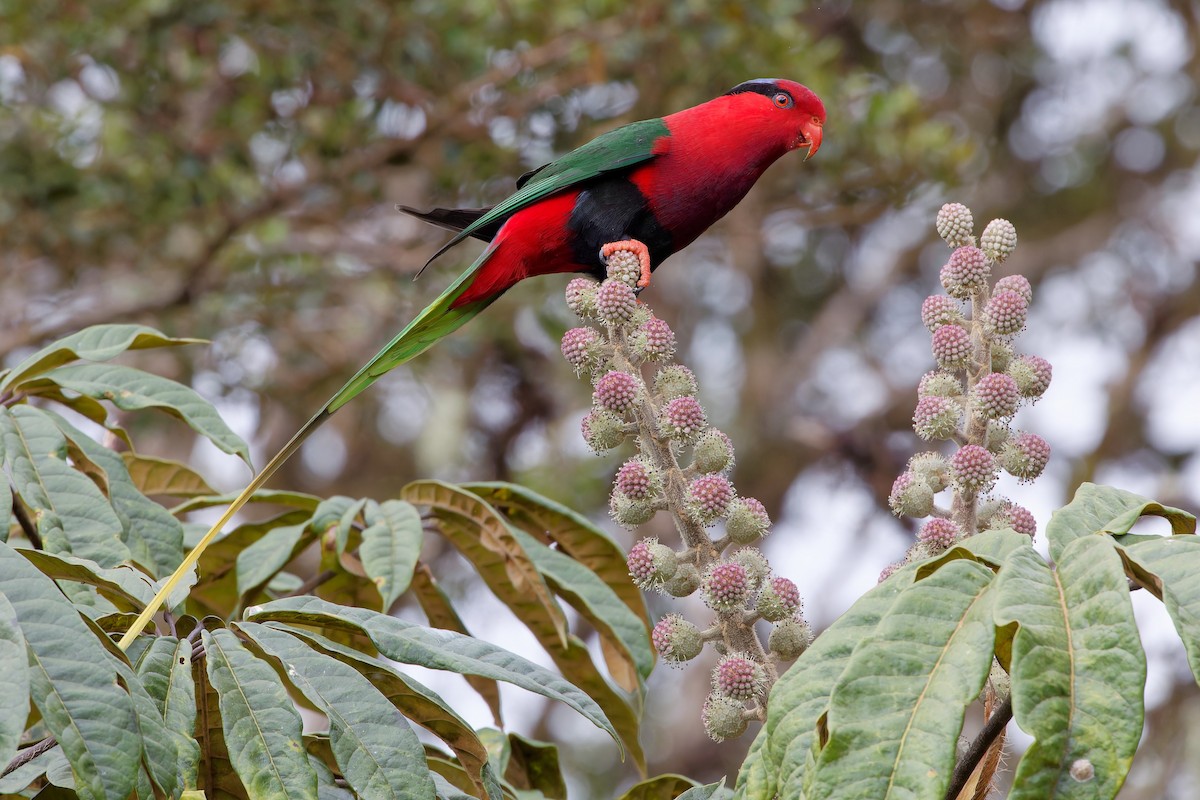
29 754
27 526
965 507
991 729
312 583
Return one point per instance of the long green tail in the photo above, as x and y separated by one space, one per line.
438 320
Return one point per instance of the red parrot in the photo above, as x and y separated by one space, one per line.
651 187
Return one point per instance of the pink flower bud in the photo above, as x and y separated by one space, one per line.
938 533
617 391
974 469
966 272
997 396
952 346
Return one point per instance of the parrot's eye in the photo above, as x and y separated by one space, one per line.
782 100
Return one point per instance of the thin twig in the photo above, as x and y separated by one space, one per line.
29 754
979 748
26 524
312 583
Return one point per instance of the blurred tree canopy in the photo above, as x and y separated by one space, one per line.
228 170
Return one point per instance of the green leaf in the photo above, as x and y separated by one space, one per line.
1103 509
158 746
441 614
87 600
72 511
571 656
448 791
73 683
124 587
132 389
284 583
897 709
611 618
346 525
14 666
533 766
1078 669
660 787
416 702
182 590
595 600
216 588
1173 562
84 406
97 343
153 535
52 764
161 476
577 666
713 791
409 643
376 750
391 545
7 518
486 540
327 786
341 512
165 669
453 774
577 536
300 500
800 697
262 728
497 747
217 778
259 562
991 548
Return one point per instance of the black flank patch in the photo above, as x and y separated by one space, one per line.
610 210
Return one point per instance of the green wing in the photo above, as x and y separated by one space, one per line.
618 149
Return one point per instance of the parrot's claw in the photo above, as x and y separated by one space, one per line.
638 249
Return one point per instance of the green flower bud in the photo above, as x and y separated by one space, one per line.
602 430
723 718
685 583
789 639
713 452
673 381
747 521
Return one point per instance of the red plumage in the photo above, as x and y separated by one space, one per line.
534 241
715 154
706 161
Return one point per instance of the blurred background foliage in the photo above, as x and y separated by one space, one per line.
228 170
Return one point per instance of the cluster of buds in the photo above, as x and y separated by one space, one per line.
971 398
681 468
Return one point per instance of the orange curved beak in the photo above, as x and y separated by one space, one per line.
812 134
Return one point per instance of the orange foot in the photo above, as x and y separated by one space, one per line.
638 249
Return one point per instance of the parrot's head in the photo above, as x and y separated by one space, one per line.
787 108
